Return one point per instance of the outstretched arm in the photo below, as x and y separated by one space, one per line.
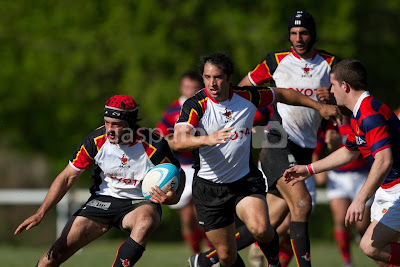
339 158
185 140
58 189
292 97
379 170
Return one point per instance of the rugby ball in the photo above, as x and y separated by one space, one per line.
161 175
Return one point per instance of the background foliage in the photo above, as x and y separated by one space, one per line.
62 59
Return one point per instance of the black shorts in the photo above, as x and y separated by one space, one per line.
274 161
111 210
215 203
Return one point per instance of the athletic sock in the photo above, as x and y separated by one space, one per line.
243 239
194 239
238 263
271 250
285 251
394 253
128 253
342 238
300 243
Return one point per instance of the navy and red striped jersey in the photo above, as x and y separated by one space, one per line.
166 127
374 128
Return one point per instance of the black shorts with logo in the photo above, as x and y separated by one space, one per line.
275 161
215 203
111 210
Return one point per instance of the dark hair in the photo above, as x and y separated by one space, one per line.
192 75
220 59
303 19
352 72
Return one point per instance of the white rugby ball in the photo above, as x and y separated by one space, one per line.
161 175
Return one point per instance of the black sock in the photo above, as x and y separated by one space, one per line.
300 242
128 253
271 249
238 263
243 239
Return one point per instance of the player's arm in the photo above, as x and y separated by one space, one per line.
245 81
292 97
338 158
379 171
184 138
58 189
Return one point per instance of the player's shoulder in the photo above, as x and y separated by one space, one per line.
198 101
97 134
278 55
330 58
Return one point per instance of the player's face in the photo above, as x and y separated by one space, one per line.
189 87
337 90
115 130
301 41
217 82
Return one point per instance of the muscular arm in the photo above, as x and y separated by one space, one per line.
292 97
185 140
58 189
379 170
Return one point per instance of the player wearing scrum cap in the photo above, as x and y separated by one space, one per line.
122 152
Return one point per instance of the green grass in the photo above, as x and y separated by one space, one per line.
102 252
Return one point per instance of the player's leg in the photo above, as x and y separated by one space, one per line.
340 231
190 230
78 232
141 222
300 205
224 242
285 247
253 211
380 243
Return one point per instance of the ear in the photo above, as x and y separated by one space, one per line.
345 86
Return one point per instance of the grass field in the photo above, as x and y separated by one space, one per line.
102 253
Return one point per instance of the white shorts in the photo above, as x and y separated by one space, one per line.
310 184
187 192
346 185
386 207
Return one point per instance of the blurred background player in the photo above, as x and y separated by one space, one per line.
343 184
190 83
121 158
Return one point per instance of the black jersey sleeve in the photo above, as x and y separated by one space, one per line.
193 109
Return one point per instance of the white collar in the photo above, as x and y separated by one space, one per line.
358 104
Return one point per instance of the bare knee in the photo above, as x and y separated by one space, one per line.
147 223
226 256
301 209
368 248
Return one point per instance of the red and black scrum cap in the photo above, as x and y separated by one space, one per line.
122 107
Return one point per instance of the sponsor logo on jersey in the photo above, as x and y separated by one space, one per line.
228 115
124 162
384 210
125 262
307 69
360 141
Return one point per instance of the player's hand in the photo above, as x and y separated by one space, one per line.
355 212
29 223
296 174
168 198
323 94
331 113
221 136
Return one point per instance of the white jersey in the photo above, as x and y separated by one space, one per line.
225 163
120 169
286 69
